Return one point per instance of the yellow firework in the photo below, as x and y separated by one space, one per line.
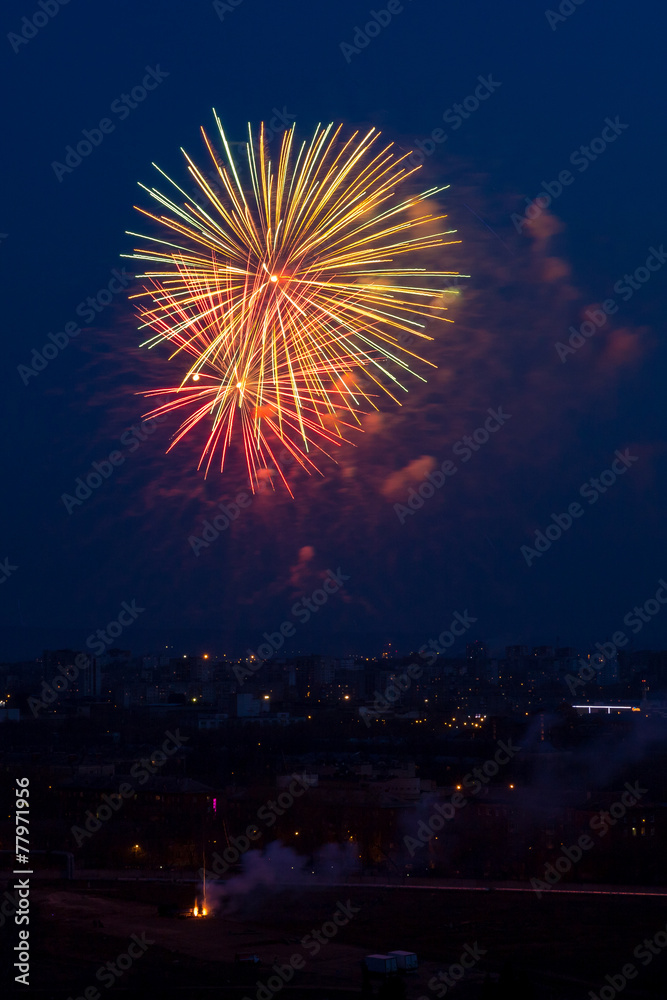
287 290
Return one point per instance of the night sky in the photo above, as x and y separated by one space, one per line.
557 79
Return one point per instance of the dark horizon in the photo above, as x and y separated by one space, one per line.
234 646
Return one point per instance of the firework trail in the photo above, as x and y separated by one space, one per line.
288 299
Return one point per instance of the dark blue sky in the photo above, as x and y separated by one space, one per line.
62 238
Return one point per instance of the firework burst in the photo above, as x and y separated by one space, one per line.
287 298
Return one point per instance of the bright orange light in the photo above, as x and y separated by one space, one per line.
264 411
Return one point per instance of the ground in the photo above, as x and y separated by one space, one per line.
564 943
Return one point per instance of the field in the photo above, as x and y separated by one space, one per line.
563 944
